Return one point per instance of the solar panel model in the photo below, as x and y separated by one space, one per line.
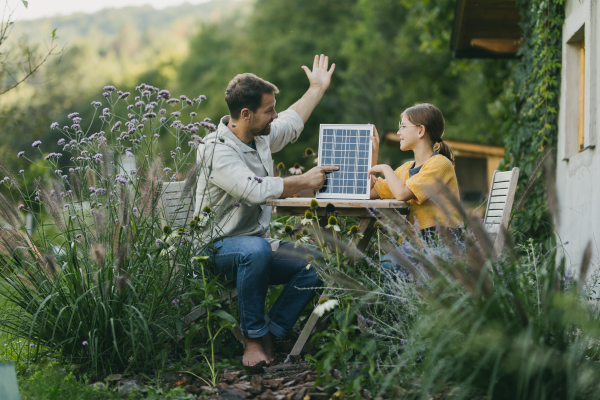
349 148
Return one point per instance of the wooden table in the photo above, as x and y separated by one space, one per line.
343 208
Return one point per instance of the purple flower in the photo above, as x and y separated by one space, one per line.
124 95
120 179
54 125
109 88
97 157
96 103
78 236
31 345
128 153
174 302
19 154
149 115
156 135
176 113
135 209
258 179
129 107
193 114
237 204
84 343
402 342
139 104
36 143
162 111
92 189
116 126
66 206
76 120
27 370
105 94
171 101
73 218
164 93
61 142
73 115
202 97
36 199
21 171
158 241
167 169
133 171
211 177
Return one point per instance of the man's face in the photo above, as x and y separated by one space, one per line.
260 121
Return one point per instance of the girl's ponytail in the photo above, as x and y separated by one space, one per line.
432 119
444 149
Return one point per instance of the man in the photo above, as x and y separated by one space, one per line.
236 180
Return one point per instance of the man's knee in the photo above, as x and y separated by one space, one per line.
258 253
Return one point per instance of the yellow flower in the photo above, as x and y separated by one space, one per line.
314 204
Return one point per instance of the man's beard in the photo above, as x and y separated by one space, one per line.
266 130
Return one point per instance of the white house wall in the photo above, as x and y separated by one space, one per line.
578 172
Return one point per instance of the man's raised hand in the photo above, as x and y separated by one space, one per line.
320 77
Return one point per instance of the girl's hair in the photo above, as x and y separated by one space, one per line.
432 119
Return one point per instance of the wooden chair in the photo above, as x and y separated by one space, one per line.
178 208
499 207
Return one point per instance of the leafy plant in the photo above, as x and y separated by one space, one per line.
101 282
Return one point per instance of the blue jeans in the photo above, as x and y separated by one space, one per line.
392 268
250 261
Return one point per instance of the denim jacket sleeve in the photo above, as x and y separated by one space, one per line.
285 129
230 173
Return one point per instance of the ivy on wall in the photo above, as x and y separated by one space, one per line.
532 102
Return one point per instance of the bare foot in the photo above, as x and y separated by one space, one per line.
254 352
267 343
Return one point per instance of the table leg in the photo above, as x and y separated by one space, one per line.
366 226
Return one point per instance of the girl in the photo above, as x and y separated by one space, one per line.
420 131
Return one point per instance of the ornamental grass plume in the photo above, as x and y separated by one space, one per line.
100 268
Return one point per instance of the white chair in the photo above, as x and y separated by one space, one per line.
178 207
178 210
499 207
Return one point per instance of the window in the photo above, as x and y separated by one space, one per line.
581 118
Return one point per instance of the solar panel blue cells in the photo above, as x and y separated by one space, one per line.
349 148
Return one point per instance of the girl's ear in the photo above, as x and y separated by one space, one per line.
421 132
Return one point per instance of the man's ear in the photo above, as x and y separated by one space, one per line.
245 114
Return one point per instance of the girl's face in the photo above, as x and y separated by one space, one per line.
409 134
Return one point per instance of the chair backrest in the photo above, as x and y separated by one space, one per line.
500 202
178 207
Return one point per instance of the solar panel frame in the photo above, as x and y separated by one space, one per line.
361 183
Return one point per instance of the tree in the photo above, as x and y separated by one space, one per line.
15 70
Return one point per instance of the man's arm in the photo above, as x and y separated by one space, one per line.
313 179
319 79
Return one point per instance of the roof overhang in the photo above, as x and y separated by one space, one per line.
462 149
486 29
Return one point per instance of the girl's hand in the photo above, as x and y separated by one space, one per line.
375 140
372 174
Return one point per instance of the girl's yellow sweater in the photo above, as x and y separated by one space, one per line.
431 186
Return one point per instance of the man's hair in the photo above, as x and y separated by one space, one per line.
245 91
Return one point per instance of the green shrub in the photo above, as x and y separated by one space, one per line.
102 283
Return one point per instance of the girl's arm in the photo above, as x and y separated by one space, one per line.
397 186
